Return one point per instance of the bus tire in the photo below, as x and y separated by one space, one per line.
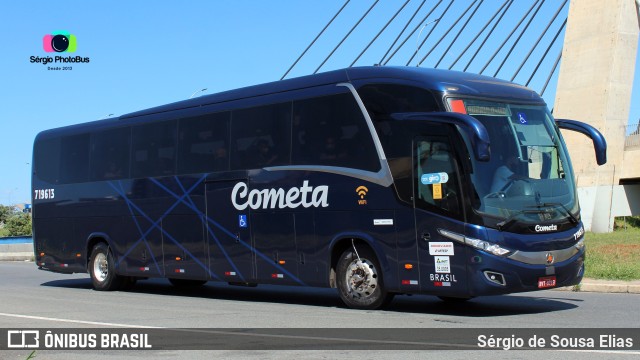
102 269
185 283
359 281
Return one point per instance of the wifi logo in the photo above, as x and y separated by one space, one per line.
362 192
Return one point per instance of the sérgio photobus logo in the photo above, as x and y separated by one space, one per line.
58 46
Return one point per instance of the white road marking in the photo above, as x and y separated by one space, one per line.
79 321
617 352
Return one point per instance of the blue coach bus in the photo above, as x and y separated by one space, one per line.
374 180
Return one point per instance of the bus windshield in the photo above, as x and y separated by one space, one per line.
529 179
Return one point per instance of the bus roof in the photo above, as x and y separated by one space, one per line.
452 82
446 81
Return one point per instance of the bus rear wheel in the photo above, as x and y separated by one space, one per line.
102 269
359 280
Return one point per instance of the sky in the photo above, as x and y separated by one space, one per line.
148 53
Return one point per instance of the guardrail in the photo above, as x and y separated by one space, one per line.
16 240
16 248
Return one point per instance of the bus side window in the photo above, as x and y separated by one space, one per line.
261 136
203 143
110 154
332 131
382 100
437 177
47 160
154 149
74 159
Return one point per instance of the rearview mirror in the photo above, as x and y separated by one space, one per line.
475 131
599 142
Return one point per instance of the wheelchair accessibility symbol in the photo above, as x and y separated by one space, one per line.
522 118
242 221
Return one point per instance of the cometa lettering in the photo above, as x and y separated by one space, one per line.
305 196
541 228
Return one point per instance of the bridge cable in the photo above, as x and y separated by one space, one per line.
547 51
401 32
414 30
314 40
488 35
478 35
442 37
553 70
380 32
346 36
515 43
509 36
464 26
535 45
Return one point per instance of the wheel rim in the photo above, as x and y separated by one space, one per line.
361 278
100 267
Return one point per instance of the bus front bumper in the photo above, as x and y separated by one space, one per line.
494 275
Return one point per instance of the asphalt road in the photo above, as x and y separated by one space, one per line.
30 298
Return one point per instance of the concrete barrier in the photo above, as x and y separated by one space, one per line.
16 252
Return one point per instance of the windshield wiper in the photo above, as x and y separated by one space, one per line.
508 222
572 218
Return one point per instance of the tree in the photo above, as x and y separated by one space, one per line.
5 213
19 225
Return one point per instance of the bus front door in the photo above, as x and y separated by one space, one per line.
231 257
438 209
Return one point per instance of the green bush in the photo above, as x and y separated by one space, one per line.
13 222
18 225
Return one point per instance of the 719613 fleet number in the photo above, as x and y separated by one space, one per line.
43 194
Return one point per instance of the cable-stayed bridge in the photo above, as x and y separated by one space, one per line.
579 55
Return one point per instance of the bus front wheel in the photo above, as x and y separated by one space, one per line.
102 269
359 280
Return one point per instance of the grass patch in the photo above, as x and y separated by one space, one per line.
613 256
626 223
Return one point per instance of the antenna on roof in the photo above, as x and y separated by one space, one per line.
420 33
197 91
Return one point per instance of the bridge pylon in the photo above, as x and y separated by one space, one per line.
594 86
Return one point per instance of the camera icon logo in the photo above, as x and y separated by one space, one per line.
59 41
23 339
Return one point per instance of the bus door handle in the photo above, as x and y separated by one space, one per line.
426 236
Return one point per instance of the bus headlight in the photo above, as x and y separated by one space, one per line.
489 247
492 248
580 244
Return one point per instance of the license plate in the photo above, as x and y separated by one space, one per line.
546 282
